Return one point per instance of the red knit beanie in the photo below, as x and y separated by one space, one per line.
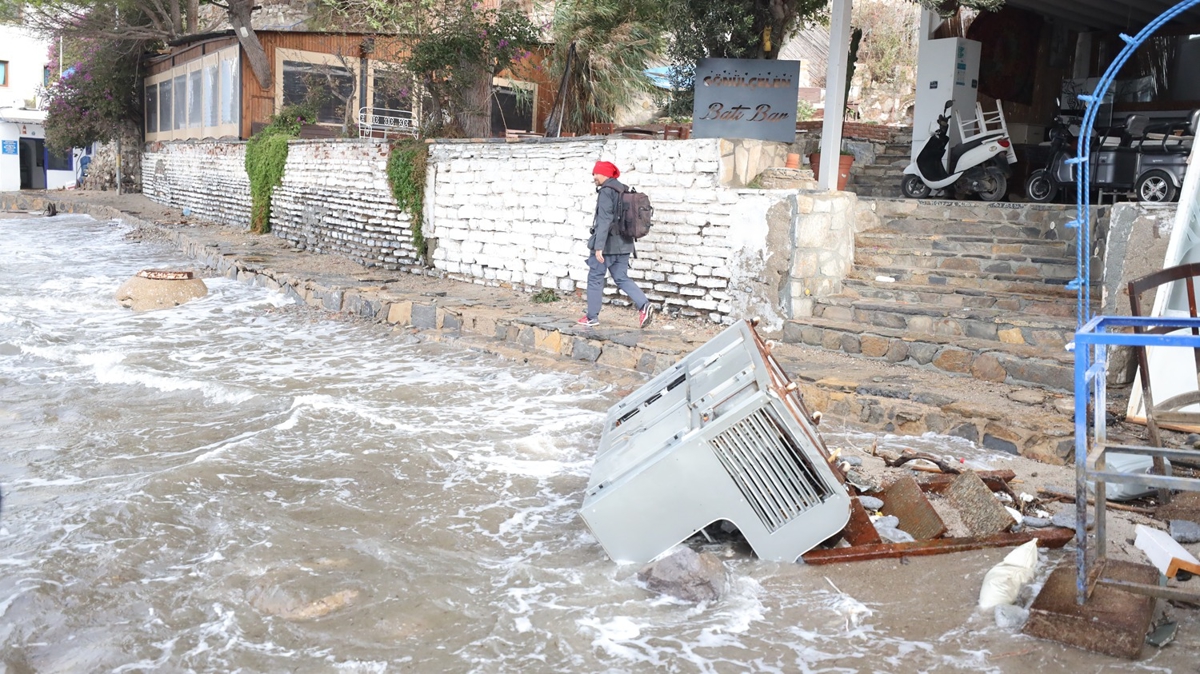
605 168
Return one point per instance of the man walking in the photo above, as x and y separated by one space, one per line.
608 251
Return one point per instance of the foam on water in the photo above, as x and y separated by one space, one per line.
239 485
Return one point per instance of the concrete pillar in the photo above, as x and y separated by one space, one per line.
835 93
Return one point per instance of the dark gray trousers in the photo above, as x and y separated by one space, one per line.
618 266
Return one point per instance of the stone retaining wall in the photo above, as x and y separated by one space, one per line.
208 178
335 198
519 215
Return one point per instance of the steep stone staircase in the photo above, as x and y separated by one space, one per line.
881 178
967 289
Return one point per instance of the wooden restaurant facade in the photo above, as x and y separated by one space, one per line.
205 88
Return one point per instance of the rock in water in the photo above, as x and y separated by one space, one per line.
152 289
686 574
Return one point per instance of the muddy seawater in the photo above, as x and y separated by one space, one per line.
240 484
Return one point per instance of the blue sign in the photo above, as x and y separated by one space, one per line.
8 146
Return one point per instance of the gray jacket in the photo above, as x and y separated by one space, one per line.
604 234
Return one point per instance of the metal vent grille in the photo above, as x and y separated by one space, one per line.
773 474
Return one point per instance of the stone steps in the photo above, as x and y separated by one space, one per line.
972 244
984 265
954 356
961 279
989 324
976 228
1053 301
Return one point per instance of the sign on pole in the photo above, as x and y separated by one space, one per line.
745 98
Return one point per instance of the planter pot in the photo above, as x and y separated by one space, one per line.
793 161
844 164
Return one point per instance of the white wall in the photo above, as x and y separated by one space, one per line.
26 56
519 214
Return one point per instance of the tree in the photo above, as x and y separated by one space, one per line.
139 21
451 48
615 41
97 99
733 29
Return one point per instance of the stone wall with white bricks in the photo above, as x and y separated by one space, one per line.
519 214
208 178
335 199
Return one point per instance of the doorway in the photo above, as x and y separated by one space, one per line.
33 164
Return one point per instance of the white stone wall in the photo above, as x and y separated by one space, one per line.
209 178
335 198
519 214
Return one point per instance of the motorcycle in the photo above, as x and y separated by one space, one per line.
975 165
1122 160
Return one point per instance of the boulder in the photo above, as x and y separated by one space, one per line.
686 574
1185 531
152 289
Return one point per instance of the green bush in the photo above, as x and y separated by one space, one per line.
266 155
406 167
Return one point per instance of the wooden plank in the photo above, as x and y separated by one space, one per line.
1047 538
979 511
904 499
996 480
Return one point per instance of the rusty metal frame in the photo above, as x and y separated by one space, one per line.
1091 366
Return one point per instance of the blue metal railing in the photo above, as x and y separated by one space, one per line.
1083 212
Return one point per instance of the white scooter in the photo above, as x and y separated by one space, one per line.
978 165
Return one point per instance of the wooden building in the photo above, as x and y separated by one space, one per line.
205 88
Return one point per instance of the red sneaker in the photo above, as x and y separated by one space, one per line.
588 322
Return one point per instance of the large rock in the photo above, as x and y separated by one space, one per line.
144 292
686 574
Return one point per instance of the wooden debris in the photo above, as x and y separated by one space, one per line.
1047 538
996 480
1060 494
980 512
904 499
909 455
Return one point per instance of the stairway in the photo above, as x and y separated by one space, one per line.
881 178
969 289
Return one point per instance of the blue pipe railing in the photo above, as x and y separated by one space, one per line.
1082 223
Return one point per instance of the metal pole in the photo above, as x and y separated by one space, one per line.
118 164
835 94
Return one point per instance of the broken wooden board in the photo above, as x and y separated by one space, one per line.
996 480
1112 621
1047 538
979 511
859 530
904 499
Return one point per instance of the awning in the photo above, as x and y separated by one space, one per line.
22 116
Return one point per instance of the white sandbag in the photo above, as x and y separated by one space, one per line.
1003 582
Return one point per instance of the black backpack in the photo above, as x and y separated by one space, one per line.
634 214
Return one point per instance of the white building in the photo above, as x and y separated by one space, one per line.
24 161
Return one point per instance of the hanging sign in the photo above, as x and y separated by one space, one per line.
9 147
746 98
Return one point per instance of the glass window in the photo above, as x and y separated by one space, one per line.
152 108
180 102
332 85
229 91
58 161
391 91
212 103
195 99
3 73
164 106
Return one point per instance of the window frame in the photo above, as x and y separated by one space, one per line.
354 64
